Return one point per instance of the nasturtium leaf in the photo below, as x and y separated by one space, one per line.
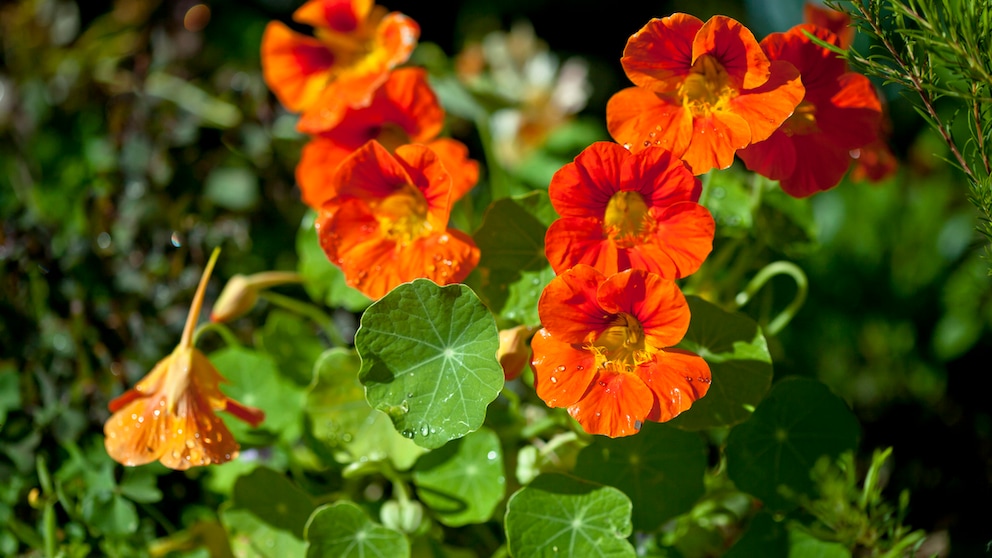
254 380
140 486
556 515
274 499
343 530
291 341
322 280
429 360
342 418
773 452
763 537
463 480
660 469
803 544
726 193
737 354
110 513
250 537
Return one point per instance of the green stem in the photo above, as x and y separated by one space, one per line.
759 280
308 310
225 333
48 514
398 482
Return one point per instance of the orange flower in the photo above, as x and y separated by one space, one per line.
832 20
704 91
356 46
387 223
603 352
621 210
169 415
404 110
840 112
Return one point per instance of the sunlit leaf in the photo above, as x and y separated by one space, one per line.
275 499
463 480
253 538
660 459
254 380
803 544
429 360
556 515
342 418
343 530
772 453
737 353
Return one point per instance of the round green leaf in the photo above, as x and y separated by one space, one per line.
659 460
250 537
342 418
291 342
737 353
462 481
275 499
799 421
764 537
342 530
429 360
254 380
556 515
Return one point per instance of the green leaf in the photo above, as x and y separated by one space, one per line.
737 354
343 530
764 537
322 280
785 222
727 195
342 418
556 515
429 360
773 452
140 486
10 391
110 513
253 538
463 481
291 342
660 459
254 380
804 545
275 499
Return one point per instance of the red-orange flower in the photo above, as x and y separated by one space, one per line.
832 20
603 352
388 222
840 112
703 91
621 210
404 110
356 46
169 415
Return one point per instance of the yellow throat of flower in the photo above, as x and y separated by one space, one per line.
620 347
802 121
707 88
626 219
403 215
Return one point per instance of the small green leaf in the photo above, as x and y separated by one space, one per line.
140 486
556 515
343 530
342 418
737 353
429 360
775 450
254 380
463 481
802 544
291 342
253 538
110 513
660 459
324 281
275 499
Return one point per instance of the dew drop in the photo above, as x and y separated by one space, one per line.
580 368
554 380
491 456
407 434
176 240
561 368
425 430
638 424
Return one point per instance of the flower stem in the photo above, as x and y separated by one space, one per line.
225 333
759 280
308 310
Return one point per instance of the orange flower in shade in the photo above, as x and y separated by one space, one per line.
603 352
387 223
703 91
837 22
404 110
356 46
840 112
169 415
621 210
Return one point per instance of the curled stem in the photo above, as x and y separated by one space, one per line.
759 280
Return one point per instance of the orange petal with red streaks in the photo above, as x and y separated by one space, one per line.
295 67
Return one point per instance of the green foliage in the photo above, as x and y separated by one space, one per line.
344 530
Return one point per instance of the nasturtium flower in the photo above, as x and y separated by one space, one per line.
604 351
621 210
833 20
388 221
403 110
704 90
169 416
355 45
840 112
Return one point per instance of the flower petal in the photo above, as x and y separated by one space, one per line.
295 67
342 16
656 303
571 241
584 187
568 306
562 372
773 158
615 405
659 55
464 171
677 379
319 161
661 178
638 118
735 47
765 108
715 139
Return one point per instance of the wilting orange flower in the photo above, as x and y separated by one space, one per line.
356 46
622 210
840 112
703 91
169 415
388 222
604 350
404 110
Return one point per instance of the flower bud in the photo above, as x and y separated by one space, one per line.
241 293
514 350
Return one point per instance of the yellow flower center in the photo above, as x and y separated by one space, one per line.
802 121
391 136
626 219
402 215
707 88
620 347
